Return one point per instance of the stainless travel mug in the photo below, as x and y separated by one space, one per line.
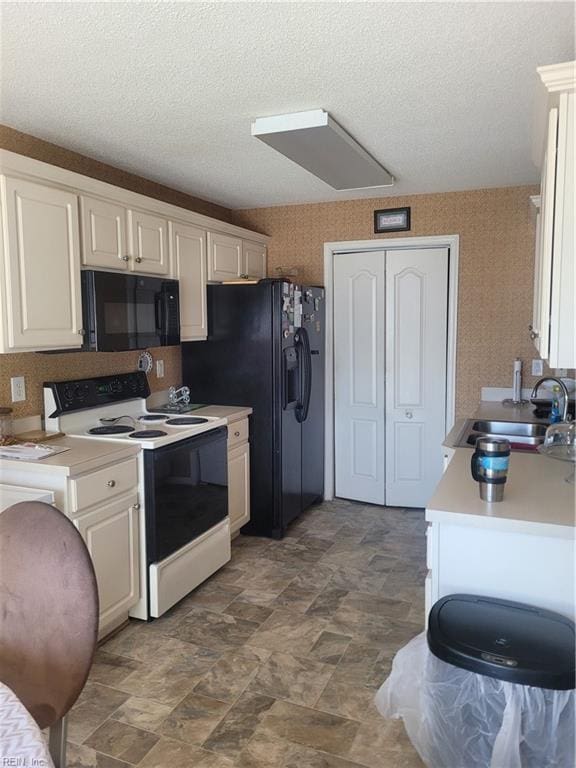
489 467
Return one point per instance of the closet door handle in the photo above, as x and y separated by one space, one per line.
408 414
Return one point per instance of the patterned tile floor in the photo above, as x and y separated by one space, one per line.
273 662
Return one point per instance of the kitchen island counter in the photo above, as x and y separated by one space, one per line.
521 548
537 500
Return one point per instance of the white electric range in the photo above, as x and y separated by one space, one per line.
182 477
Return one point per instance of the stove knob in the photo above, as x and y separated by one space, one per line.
116 385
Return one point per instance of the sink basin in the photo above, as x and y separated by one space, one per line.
515 428
525 436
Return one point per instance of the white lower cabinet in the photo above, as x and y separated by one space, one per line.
111 536
102 502
238 475
509 564
39 268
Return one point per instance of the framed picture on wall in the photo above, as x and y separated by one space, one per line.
392 220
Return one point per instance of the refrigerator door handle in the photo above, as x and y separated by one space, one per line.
306 372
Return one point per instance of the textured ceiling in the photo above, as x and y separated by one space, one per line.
440 93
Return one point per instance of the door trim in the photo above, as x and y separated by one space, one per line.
452 242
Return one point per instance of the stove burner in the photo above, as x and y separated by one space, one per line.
185 420
116 429
153 417
145 433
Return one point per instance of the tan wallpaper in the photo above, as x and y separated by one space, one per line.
24 144
38 368
496 266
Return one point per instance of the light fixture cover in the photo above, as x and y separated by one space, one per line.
316 142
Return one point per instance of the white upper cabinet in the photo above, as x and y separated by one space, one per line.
253 259
188 253
553 325
224 257
40 266
103 234
148 235
55 222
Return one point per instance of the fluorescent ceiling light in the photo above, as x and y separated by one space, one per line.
316 142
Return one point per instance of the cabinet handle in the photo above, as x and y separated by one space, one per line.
136 507
138 259
81 332
533 335
236 434
124 258
111 483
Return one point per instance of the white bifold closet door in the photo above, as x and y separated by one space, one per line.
390 334
359 360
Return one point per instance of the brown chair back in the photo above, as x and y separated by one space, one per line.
48 609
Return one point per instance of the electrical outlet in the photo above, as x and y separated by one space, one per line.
160 369
18 389
537 367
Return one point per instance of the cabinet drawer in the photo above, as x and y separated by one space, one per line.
237 433
103 484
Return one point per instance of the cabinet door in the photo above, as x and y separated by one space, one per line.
543 281
111 535
188 252
224 257
562 351
42 267
148 243
103 234
239 486
253 259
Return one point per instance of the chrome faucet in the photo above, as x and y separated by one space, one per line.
181 395
562 386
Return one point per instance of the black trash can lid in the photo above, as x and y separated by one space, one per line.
502 639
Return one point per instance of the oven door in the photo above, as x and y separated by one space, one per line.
123 312
186 491
186 509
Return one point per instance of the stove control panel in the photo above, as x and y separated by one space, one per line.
68 396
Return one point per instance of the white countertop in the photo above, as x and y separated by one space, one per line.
83 455
537 500
231 413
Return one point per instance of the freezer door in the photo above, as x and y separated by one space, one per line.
313 324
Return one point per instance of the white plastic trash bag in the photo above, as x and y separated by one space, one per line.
459 719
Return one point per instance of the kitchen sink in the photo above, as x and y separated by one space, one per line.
525 436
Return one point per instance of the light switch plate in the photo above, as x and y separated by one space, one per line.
537 367
160 369
18 389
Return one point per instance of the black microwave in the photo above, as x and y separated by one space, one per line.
123 312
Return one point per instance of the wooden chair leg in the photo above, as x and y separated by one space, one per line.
57 743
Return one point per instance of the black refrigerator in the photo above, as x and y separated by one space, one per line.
265 349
